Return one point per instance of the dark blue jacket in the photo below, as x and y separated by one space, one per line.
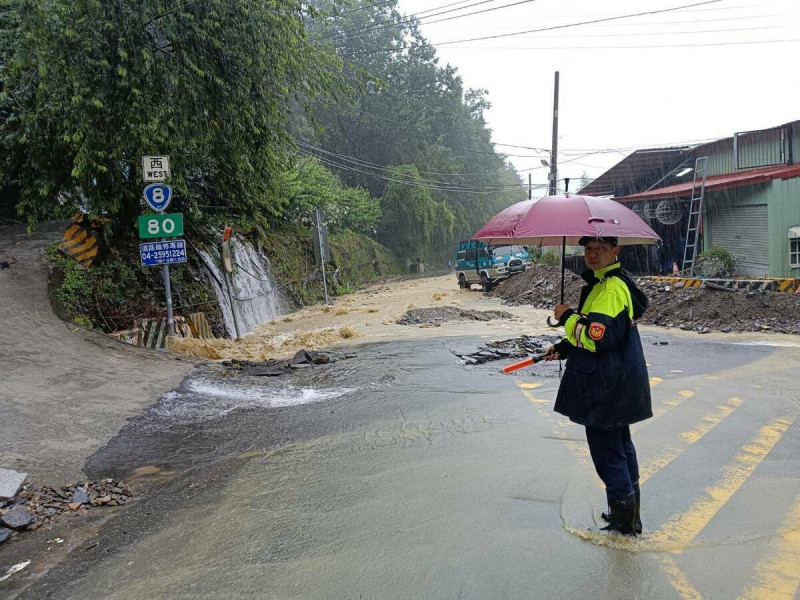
605 382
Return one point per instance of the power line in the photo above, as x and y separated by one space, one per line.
420 184
372 165
439 173
444 186
649 34
580 23
424 22
374 26
542 150
696 45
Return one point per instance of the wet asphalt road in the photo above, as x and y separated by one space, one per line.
403 474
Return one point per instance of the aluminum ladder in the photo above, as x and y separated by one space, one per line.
695 222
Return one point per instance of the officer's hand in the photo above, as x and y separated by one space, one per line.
551 354
560 310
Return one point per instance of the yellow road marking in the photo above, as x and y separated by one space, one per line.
529 386
534 399
654 381
661 410
677 579
688 438
779 573
683 528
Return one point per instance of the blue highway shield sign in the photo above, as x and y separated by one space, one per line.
162 253
158 196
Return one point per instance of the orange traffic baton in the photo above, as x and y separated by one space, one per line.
531 360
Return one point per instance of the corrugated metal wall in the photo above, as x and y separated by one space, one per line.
756 149
744 232
761 148
784 213
720 157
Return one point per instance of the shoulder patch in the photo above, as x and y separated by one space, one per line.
597 331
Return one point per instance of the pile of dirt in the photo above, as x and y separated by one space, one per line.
707 309
539 286
33 507
701 309
438 315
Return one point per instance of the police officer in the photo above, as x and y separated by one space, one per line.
605 385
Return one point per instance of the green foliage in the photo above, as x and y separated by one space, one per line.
540 256
716 261
356 260
408 110
91 86
113 293
414 224
308 184
74 292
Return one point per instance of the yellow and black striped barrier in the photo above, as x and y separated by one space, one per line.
772 284
687 281
79 241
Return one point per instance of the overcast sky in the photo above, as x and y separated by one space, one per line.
649 80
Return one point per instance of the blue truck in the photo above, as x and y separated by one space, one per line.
487 265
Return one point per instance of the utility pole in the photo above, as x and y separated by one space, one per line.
530 187
553 176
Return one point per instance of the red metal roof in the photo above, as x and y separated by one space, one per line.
719 182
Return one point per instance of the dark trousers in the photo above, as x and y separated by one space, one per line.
614 459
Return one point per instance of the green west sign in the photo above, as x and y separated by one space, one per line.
160 226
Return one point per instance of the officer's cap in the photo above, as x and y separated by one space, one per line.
604 240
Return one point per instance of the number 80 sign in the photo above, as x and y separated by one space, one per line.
160 226
158 196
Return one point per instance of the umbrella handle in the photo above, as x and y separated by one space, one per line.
552 324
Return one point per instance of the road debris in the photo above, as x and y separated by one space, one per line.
438 315
33 507
10 482
707 309
703 309
519 347
15 569
275 368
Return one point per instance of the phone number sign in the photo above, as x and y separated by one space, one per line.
163 253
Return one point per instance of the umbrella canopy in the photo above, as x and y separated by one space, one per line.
547 221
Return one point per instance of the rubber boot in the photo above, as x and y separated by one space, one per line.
622 517
638 495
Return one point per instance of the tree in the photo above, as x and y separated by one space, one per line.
408 110
308 184
414 224
89 86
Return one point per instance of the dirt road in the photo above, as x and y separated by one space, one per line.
66 390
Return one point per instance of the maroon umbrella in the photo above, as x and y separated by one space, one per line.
562 221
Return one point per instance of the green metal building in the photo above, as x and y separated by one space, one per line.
751 204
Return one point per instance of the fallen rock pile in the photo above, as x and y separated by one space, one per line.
33 507
707 309
702 309
520 347
539 286
438 315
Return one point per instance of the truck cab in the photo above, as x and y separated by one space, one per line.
487 265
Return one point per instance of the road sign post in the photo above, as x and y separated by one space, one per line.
321 248
164 253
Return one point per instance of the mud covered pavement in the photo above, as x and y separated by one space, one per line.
405 472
